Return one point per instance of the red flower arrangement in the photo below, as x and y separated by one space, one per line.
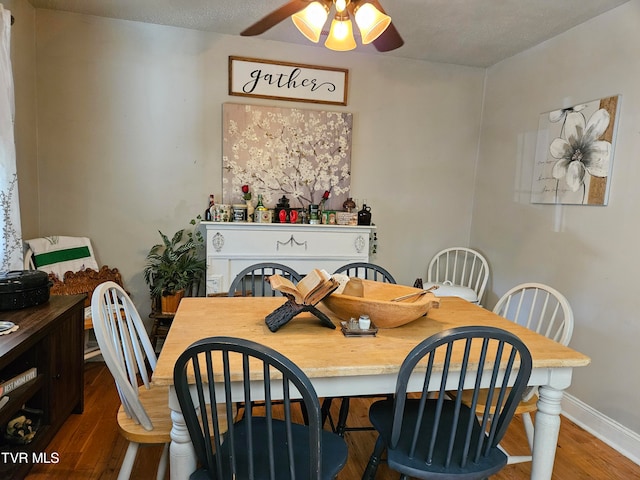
325 197
246 194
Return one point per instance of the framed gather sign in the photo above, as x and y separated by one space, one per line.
252 77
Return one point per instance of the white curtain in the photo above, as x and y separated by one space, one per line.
10 228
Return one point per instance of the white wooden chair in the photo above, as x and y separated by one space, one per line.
459 272
144 416
546 311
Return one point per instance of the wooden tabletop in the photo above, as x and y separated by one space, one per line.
324 352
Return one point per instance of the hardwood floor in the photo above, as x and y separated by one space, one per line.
90 447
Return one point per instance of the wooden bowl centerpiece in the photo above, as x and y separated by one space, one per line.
388 305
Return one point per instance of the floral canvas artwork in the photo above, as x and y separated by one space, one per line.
574 154
301 154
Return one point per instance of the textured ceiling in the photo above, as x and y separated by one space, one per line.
464 32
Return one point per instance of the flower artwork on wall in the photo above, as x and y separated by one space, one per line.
304 155
574 154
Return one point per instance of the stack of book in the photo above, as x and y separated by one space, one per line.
19 380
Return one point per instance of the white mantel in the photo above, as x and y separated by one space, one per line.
231 247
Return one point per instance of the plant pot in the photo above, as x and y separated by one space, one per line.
169 303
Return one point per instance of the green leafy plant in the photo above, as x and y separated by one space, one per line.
176 263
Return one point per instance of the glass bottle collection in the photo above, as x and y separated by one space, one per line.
283 213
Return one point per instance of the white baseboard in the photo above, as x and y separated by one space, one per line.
612 433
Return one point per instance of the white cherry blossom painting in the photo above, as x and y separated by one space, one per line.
304 155
574 154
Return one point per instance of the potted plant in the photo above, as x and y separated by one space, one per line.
173 266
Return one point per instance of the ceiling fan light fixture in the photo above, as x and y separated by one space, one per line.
310 16
371 22
340 36
310 20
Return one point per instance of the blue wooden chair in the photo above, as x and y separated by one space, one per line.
435 437
252 280
257 445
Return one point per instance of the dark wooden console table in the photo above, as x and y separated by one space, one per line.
50 338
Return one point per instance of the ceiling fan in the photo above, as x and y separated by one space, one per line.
309 16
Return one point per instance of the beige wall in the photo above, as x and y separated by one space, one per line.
129 137
589 253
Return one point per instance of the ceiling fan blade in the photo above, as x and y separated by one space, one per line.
389 40
275 17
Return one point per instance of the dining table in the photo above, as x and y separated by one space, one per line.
340 365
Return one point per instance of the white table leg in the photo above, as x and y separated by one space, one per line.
182 456
547 428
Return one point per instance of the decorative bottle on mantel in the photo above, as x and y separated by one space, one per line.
364 215
208 213
260 215
250 211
